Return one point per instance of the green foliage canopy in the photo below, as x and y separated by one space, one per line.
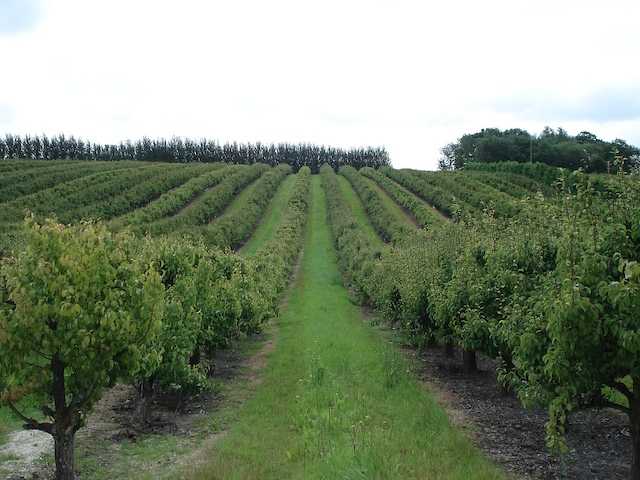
80 296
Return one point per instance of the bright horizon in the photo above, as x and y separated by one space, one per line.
406 76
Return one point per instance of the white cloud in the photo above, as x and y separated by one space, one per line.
411 76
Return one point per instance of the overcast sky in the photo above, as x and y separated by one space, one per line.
410 76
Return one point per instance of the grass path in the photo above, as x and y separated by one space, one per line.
417 199
391 204
358 210
238 202
272 217
337 401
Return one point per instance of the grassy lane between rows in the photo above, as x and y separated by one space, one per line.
337 401
272 217
391 205
422 213
358 210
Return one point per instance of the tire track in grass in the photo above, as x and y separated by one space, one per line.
337 401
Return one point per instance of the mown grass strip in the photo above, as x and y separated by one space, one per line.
113 201
359 213
434 194
21 183
175 200
210 203
470 191
422 214
271 219
388 219
243 214
67 195
337 401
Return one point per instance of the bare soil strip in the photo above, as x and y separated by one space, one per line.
514 437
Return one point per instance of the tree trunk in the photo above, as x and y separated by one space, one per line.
146 393
64 452
449 350
508 366
195 357
64 429
469 361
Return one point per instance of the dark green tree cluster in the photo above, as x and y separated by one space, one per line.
187 150
552 147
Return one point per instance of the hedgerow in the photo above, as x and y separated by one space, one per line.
174 200
106 204
552 293
385 223
513 184
424 215
470 192
439 198
210 203
234 227
20 183
356 252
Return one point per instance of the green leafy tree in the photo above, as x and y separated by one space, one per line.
450 158
176 369
581 337
79 309
552 147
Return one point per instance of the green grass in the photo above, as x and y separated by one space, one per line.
436 213
10 423
337 401
155 456
272 217
7 457
358 210
142 459
239 201
395 209
617 397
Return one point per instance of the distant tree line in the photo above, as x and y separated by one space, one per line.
553 147
186 150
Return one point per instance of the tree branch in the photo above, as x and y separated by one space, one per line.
615 406
46 357
80 402
622 388
35 365
30 423
47 411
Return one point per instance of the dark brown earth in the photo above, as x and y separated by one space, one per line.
115 417
599 441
